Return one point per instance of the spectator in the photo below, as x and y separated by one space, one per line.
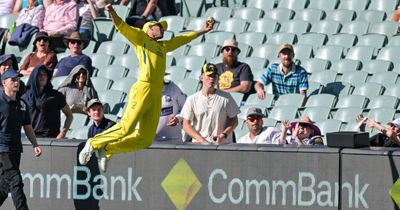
76 44
396 17
286 77
259 134
389 136
45 105
169 127
142 11
87 11
42 55
234 76
7 7
61 19
78 89
9 62
13 116
96 113
304 132
22 4
210 115
33 14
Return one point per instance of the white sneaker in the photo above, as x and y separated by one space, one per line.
86 153
102 160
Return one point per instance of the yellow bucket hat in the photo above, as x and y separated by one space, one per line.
149 24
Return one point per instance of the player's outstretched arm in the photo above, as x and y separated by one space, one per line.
208 26
116 19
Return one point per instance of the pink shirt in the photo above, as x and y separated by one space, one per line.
62 19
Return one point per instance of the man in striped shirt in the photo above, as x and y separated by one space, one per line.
286 77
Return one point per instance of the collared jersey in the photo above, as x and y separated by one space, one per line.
292 82
151 54
13 115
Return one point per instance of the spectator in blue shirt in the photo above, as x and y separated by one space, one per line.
286 77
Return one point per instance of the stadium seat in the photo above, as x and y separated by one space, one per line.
196 23
292 4
191 62
309 14
331 53
341 15
175 73
323 4
279 14
102 29
249 13
238 97
281 113
383 101
358 5
192 8
383 5
376 66
219 13
251 38
128 60
188 86
337 88
233 25
389 54
91 48
345 65
355 27
328 126
269 52
205 49
121 10
368 89
347 114
101 83
327 27
228 3
218 37
261 4
354 77
386 78
175 23
245 50
344 40
314 65
294 26
256 64
114 48
360 53
101 59
56 81
314 88
79 121
114 72
393 90
290 100
394 41
79 133
321 100
253 100
110 98
373 40
345 101
382 115
317 113
303 51
315 39
371 16
124 84
170 60
323 77
279 38
264 25
388 28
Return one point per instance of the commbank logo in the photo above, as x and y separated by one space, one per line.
181 184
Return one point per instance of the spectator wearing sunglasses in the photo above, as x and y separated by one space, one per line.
259 134
75 44
304 132
42 55
234 76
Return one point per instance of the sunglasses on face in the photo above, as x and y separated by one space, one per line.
75 42
227 49
43 39
254 118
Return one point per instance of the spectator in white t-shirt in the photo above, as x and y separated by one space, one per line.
210 115
259 134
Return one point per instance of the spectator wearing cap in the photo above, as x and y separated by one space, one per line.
76 44
304 132
14 114
8 62
96 113
388 136
78 89
45 105
42 55
169 127
210 115
234 76
61 18
286 77
259 134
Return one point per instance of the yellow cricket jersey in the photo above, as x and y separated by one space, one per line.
150 53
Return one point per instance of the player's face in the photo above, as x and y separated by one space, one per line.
286 56
156 32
